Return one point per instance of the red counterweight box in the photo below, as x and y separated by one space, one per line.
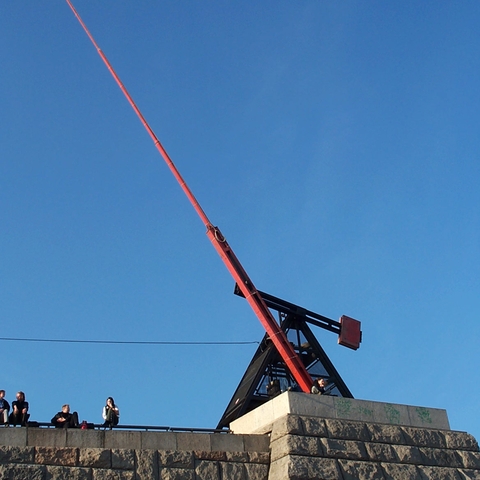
350 333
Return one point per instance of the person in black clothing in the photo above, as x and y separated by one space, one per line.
319 386
4 408
65 419
110 413
19 415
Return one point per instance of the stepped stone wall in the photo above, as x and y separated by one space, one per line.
297 437
306 448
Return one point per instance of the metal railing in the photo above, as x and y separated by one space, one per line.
146 428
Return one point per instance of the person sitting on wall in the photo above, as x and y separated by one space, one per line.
319 386
19 415
273 388
110 413
65 419
4 408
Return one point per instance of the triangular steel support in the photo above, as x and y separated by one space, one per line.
267 375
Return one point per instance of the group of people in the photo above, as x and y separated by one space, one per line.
19 414
63 419
320 386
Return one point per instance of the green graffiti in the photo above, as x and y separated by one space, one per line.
367 412
393 415
424 414
343 406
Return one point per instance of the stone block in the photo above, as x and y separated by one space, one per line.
422 437
177 474
408 454
314 426
233 470
107 474
296 445
16 454
241 457
468 474
147 464
194 441
226 443
305 468
123 459
256 443
67 473
85 438
259 457
391 413
13 436
394 471
279 468
207 470
175 459
95 457
469 459
124 439
460 441
386 434
353 470
344 449
440 457
159 440
428 417
212 456
439 473
47 437
380 452
346 430
280 448
256 471
22 472
56 456
286 425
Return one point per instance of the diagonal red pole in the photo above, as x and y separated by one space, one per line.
276 334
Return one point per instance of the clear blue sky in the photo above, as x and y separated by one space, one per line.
337 146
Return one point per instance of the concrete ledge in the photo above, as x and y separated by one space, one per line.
132 440
154 441
51 437
85 438
14 437
260 420
123 439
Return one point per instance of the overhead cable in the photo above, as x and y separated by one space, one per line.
121 342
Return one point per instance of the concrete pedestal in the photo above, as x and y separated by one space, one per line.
262 418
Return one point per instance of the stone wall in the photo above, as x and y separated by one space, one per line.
44 454
307 448
292 437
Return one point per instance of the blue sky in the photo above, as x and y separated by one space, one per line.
335 144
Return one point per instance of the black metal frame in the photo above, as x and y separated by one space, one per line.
267 375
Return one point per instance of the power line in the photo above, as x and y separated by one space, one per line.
120 342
